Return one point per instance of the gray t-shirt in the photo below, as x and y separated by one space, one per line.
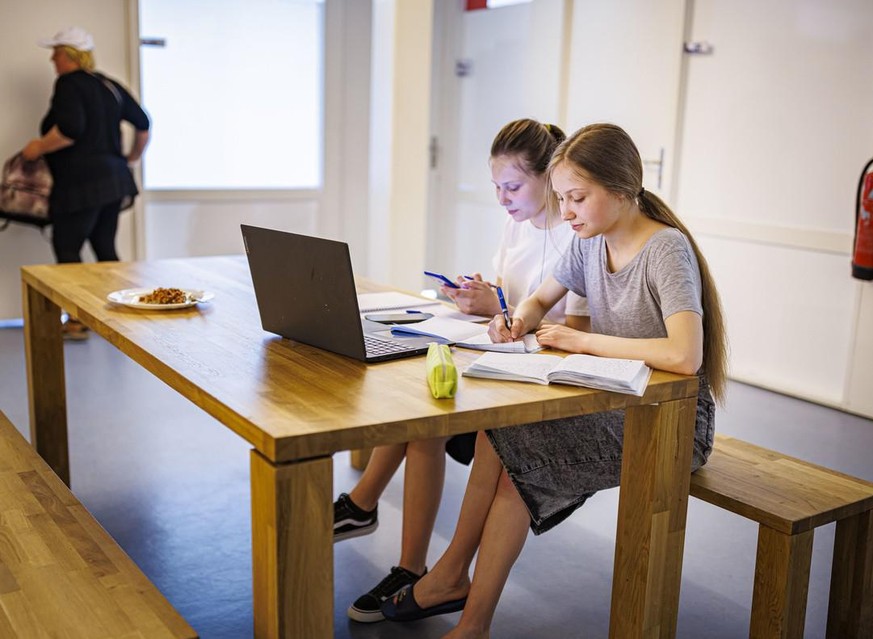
661 280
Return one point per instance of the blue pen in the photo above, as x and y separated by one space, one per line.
503 307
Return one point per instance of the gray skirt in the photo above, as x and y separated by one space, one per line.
558 464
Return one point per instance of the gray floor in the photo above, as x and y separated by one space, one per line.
171 485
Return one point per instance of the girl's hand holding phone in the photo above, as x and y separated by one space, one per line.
471 293
474 297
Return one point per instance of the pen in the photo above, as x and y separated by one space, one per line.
503 307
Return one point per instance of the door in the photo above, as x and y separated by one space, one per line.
776 130
625 63
491 66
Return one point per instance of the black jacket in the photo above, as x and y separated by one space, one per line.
92 172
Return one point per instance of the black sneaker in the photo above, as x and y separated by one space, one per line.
367 608
350 521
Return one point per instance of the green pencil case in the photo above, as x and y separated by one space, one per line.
442 376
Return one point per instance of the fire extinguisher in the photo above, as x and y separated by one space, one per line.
862 258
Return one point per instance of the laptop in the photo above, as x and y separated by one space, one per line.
305 289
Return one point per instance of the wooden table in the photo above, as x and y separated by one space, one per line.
297 405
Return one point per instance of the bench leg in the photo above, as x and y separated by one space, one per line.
781 584
850 611
292 548
360 458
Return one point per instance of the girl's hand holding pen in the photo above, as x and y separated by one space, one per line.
499 333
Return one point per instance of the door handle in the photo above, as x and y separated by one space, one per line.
698 48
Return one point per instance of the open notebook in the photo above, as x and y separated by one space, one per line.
619 375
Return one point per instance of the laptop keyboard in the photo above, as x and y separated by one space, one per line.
377 346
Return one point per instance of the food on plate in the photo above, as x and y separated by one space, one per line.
164 296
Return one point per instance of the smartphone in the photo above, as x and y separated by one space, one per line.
398 318
442 279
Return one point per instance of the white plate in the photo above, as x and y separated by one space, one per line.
130 297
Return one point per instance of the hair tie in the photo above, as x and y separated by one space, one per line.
642 192
548 127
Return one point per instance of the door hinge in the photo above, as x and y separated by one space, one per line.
433 150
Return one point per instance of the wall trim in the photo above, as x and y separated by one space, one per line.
819 240
804 395
235 195
796 237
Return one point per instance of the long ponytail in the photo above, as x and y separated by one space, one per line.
715 350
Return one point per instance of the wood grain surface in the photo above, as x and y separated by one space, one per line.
61 574
782 492
790 498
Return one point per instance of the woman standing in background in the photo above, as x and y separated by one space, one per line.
81 141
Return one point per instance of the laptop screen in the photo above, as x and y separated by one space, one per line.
305 289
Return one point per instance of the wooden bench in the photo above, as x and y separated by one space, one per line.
61 574
789 498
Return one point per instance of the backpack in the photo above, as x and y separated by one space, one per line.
24 192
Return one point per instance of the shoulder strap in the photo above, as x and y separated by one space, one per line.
109 85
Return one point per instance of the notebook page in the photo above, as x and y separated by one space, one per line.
514 366
449 329
623 370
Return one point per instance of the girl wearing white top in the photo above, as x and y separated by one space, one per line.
533 238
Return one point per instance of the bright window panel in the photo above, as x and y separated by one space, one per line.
235 94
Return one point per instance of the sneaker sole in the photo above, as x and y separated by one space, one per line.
364 616
357 532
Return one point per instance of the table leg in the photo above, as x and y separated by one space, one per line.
360 458
44 355
652 507
850 611
781 584
292 548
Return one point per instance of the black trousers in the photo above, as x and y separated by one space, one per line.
97 225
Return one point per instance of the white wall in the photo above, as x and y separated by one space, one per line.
191 227
399 128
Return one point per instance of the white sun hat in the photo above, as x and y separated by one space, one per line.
75 37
